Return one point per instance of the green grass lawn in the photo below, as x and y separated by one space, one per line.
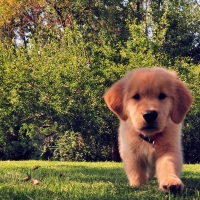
73 180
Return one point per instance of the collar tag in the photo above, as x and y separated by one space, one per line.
149 140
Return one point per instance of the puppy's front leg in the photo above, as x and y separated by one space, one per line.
168 169
135 170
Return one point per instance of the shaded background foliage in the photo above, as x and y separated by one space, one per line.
58 57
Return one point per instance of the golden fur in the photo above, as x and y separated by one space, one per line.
151 102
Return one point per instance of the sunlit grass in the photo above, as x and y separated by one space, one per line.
74 180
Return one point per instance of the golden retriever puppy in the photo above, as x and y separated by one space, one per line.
151 104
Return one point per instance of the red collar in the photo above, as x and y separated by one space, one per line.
150 139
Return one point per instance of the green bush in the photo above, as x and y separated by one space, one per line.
69 147
51 94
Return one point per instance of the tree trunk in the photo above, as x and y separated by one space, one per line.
115 150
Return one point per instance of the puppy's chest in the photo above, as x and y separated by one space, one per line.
143 150
147 153
147 150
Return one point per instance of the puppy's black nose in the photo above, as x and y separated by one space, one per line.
150 115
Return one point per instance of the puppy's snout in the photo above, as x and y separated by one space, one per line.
150 115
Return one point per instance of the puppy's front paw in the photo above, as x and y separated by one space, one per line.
172 185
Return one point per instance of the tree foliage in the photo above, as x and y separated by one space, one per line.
58 57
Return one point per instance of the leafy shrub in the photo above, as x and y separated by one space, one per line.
69 147
51 95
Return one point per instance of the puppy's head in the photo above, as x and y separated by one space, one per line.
149 98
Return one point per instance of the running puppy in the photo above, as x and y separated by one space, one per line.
151 104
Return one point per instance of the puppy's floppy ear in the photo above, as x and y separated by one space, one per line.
182 100
114 98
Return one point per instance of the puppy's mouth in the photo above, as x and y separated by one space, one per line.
150 129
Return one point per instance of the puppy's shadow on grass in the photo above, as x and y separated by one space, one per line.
117 178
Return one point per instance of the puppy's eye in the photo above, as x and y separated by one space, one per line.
162 96
136 97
